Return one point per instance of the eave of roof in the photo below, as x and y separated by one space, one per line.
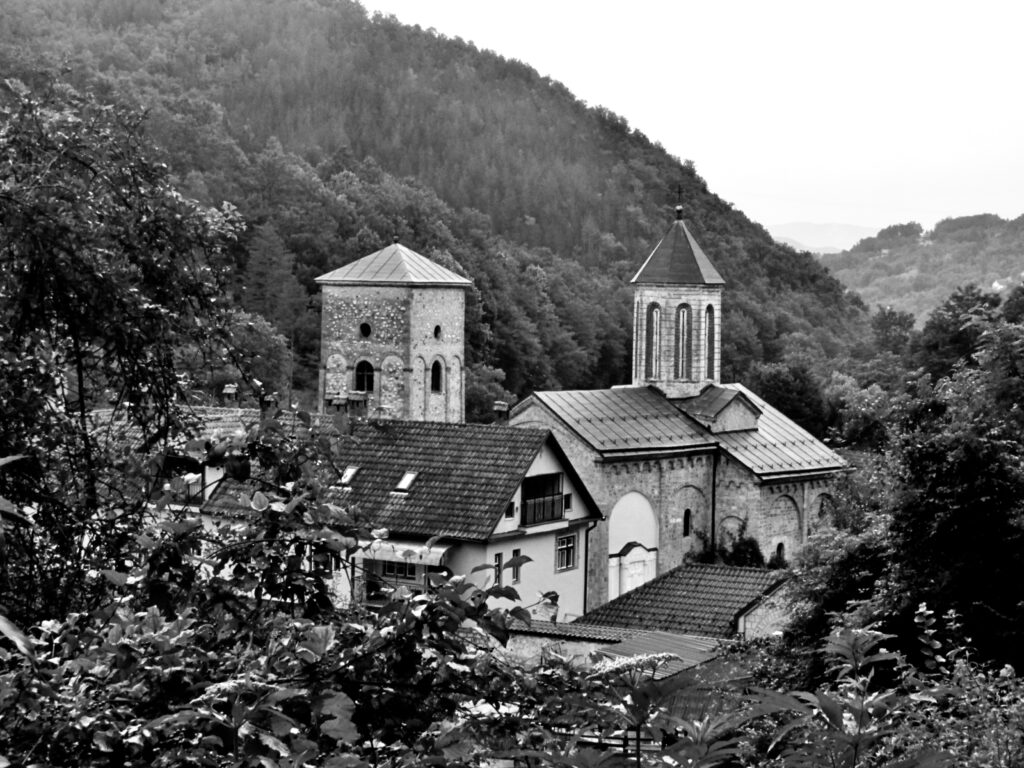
394 265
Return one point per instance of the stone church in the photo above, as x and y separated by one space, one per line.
676 461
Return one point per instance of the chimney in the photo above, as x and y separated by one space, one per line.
500 412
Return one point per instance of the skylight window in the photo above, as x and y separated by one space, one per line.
348 474
406 482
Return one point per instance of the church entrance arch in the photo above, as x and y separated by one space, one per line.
632 544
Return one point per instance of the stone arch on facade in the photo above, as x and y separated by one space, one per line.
690 499
364 377
436 399
632 544
781 525
392 387
417 389
454 389
730 529
335 376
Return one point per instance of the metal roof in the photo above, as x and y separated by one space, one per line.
779 446
711 402
394 265
691 649
678 260
625 419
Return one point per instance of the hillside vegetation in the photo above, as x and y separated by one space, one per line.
333 132
914 271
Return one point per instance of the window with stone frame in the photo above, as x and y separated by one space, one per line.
364 376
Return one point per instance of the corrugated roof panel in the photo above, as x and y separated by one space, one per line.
396 265
625 418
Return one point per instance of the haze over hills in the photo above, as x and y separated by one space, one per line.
330 150
915 271
819 238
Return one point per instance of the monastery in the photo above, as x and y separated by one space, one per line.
676 462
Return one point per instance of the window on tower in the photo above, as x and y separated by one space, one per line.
710 323
364 377
652 346
436 376
684 342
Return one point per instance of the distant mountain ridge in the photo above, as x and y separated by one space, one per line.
915 271
819 238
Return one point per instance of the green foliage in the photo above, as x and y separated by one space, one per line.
288 110
105 273
794 391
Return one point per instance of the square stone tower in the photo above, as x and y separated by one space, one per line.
677 316
393 338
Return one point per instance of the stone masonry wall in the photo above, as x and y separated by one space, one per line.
669 298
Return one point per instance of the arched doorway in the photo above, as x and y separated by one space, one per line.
632 544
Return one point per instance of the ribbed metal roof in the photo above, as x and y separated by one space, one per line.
394 265
708 404
625 419
678 260
778 446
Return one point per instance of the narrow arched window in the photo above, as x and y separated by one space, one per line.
710 323
436 377
364 377
687 522
684 342
652 346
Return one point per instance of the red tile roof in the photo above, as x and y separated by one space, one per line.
394 265
678 260
694 599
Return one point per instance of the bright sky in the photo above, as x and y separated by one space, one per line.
868 113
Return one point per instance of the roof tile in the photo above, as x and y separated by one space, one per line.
696 599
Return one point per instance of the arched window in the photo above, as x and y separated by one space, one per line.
436 377
652 347
710 323
364 377
684 342
687 521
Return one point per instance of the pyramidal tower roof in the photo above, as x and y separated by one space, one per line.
394 265
678 260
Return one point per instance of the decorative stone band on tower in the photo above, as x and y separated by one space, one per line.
393 338
677 316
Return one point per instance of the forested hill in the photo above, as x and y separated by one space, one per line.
915 271
334 132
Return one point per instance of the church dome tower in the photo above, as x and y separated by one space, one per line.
677 316
393 338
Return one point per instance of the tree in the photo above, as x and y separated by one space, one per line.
892 329
105 271
952 331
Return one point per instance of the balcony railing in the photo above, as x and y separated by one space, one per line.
543 509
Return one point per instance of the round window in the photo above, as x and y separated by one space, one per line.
437 332
365 330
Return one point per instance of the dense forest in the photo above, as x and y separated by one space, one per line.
329 149
911 270
146 257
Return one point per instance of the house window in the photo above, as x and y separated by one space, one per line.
436 376
497 569
567 502
348 475
542 499
687 518
565 552
684 342
510 510
652 346
364 377
710 322
406 482
399 569
516 567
